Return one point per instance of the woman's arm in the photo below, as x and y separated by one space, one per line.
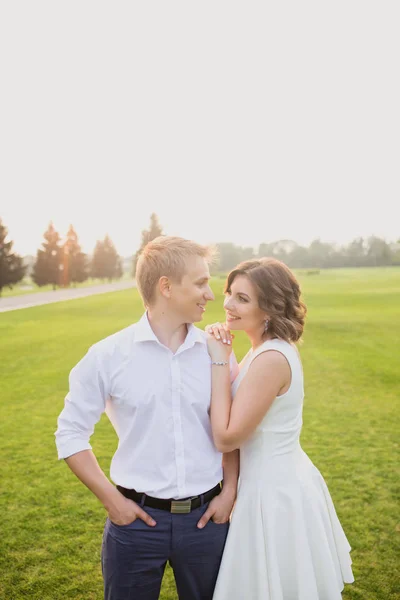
233 422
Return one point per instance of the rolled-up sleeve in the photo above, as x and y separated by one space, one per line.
83 407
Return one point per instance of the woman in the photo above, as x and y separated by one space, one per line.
285 540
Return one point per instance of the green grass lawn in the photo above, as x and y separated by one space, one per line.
51 526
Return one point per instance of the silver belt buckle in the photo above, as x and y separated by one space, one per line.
180 507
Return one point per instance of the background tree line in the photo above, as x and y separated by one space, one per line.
61 262
361 252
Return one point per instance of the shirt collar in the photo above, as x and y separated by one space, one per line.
194 335
144 333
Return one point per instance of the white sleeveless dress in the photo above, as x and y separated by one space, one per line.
285 541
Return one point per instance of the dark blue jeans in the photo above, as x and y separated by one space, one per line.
134 556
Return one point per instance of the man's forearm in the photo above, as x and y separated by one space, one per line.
230 464
85 466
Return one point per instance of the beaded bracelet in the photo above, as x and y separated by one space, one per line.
222 363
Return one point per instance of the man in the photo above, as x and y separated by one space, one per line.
153 379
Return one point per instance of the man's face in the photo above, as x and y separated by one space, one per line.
190 296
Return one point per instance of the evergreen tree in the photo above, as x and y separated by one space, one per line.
75 264
48 259
96 265
12 269
155 230
106 263
119 271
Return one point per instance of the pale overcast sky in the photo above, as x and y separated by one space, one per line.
245 122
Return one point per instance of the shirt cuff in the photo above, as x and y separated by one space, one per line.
69 447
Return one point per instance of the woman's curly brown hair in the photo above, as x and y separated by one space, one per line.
278 295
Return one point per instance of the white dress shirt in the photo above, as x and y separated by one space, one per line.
158 403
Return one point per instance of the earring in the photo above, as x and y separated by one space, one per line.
266 325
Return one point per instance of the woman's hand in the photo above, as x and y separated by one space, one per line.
220 331
219 342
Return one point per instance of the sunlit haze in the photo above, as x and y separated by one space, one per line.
242 122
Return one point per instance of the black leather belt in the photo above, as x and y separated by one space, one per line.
181 507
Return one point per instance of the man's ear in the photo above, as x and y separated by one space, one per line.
164 285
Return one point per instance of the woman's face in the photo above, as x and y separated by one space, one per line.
241 306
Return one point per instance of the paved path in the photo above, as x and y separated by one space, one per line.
28 300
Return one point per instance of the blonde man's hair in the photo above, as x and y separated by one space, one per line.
165 256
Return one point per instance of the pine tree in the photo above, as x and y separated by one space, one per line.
48 259
75 264
96 265
106 263
154 231
12 269
118 269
